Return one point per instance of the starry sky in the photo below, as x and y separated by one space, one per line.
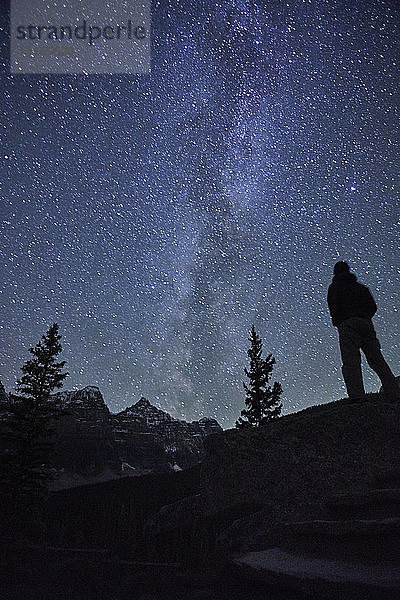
157 216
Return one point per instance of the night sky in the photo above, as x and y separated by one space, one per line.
155 217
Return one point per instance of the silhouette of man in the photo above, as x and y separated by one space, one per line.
352 307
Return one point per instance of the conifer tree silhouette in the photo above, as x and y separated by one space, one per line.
30 429
262 401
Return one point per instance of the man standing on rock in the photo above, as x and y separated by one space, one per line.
352 307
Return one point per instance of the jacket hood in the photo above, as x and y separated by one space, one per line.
350 277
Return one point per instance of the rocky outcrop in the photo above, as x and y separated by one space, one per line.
294 464
318 578
285 471
352 553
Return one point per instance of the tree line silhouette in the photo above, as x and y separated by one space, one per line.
28 430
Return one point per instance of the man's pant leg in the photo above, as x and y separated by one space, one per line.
372 349
349 342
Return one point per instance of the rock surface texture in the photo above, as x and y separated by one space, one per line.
291 466
273 487
352 554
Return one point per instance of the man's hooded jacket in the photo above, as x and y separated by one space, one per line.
349 298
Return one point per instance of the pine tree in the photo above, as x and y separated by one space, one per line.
32 416
262 401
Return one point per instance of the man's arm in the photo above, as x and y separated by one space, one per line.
370 303
333 303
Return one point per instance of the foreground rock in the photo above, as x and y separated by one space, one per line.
353 554
292 466
320 578
254 480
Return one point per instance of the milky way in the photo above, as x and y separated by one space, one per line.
157 217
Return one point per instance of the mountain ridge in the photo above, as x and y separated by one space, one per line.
91 443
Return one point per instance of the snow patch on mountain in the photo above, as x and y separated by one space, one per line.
89 397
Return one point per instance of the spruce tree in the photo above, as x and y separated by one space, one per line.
30 425
262 401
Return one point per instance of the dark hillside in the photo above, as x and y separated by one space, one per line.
111 514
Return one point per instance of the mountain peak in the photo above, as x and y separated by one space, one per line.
146 411
89 397
142 403
89 388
